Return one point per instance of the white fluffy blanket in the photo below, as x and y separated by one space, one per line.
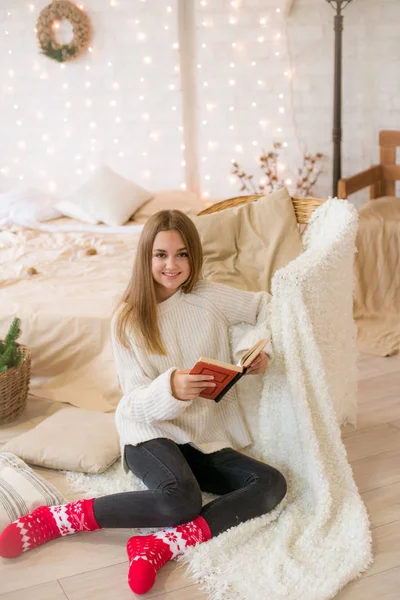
319 539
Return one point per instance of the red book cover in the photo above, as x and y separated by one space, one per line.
222 377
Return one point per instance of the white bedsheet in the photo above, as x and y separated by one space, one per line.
65 224
66 308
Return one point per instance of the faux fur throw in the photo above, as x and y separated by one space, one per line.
319 538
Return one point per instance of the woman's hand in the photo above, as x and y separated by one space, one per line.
188 387
259 365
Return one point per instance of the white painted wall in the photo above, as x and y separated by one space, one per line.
54 146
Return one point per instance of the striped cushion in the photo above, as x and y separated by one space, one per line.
22 490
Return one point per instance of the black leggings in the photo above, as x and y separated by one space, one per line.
176 474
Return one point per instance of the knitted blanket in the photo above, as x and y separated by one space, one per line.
318 539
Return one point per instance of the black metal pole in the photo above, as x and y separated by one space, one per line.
339 5
337 103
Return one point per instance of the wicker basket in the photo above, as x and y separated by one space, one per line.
14 385
303 207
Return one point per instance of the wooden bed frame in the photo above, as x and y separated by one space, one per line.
381 179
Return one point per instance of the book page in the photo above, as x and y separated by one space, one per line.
252 353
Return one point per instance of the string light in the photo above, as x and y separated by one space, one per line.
264 128
244 53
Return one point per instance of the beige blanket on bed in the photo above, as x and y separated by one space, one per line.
377 293
65 308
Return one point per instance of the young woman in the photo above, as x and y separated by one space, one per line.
176 442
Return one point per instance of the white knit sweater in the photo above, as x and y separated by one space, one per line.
191 325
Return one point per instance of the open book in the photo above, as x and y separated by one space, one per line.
225 374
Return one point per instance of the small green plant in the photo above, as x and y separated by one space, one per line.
10 354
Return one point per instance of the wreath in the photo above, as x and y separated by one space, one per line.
56 11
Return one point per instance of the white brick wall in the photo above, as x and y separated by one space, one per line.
371 87
47 143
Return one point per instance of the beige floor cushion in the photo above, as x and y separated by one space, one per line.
73 439
22 490
244 246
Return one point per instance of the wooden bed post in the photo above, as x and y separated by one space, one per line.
388 142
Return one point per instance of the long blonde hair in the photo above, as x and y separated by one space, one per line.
137 311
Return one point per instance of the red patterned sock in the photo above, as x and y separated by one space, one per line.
149 553
44 524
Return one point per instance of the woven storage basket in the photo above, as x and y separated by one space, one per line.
303 207
14 385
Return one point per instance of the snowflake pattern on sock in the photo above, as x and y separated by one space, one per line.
44 524
147 554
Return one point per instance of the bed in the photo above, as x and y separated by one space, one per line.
63 278
377 294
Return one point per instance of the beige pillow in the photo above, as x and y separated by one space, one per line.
187 202
106 197
22 490
72 439
245 245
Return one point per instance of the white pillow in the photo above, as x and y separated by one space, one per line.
27 204
22 490
187 202
105 198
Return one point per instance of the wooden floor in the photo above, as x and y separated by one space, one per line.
93 567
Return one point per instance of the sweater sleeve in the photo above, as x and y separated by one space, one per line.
239 306
145 400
